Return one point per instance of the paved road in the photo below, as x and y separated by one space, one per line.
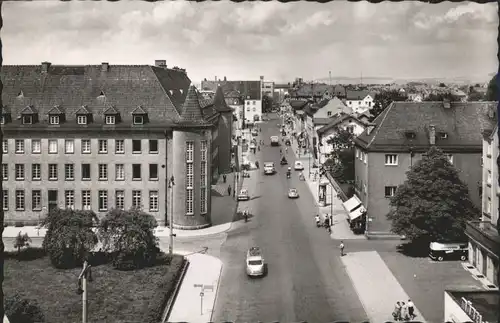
306 279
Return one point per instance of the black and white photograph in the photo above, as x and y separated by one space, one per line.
178 161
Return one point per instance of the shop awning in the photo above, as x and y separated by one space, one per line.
352 203
356 213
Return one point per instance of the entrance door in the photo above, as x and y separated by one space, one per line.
52 199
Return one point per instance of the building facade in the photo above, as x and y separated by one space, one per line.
359 101
103 137
399 136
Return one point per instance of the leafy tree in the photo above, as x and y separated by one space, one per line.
22 310
267 103
442 85
383 99
433 204
69 236
340 161
129 236
476 96
492 90
21 241
436 97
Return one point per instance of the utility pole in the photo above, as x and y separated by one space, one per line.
171 185
82 287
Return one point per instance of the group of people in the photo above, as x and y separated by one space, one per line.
404 311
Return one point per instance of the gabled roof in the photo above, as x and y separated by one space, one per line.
139 110
220 101
316 89
191 111
29 110
356 95
249 90
463 122
82 110
55 110
335 121
110 110
297 104
339 90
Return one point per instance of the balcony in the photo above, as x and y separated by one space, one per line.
485 233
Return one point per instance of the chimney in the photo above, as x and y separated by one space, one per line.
432 135
45 67
161 63
262 78
205 79
446 103
104 67
225 79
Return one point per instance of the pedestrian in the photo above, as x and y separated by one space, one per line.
224 178
229 190
411 310
257 164
341 247
331 219
404 312
397 312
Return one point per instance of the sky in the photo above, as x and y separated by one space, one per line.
243 41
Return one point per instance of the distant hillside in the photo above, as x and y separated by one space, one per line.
387 80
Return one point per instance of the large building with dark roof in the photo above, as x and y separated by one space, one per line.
404 131
99 137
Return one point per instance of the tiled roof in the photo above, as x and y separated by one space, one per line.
297 104
321 121
139 110
462 122
339 90
334 121
191 110
55 110
82 110
160 91
220 101
313 89
356 95
250 90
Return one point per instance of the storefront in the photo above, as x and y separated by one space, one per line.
483 241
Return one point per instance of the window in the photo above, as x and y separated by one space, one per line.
69 172
69 146
254 109
329 113
5 172
110 119
189 188
69 199
20 200
52 172
153 172
5 146
119 146
36 200
153 146
203 177
357 153
488 207
36 172
138 119
488 178
103 172
189 151
189 201
27 119
120 200
136 172
86 172
153 201
136 146
85 146
450 158
103 200
443 135
253 102
488 150
19 146
19 172
36 146
54 119
189 175
119 172
365 157
103 146
391 159
390 191
136 199
52 146
86 200
5 200
81 119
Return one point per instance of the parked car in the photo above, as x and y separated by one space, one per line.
298 165
269 168
254 262
243 195
293 193
450 251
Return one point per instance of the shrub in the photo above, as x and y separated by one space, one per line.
22 310
19 224
69 237
27 254
21 241
129 236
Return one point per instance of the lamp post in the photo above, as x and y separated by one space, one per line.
171 185
85 274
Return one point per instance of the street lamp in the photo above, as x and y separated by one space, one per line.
171 185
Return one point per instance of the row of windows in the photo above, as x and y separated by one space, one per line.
190 177
390 159
82 119
86 147
248 102
86 200
85 172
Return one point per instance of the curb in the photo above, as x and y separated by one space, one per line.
216 293
173 297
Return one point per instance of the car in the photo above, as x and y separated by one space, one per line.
269 168
255 133
243 195
298 165
254 262
275 141
293 193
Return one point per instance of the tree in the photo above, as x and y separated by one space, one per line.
21 241
383 99
442 85
22 310
69 237
438 97
433 204
129 236
340 161
492 90
267 103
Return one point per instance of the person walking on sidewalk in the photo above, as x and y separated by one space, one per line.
404 312
224 178
411 310
341 247
397 312
331 219
229 190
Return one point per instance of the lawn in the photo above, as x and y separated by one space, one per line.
113 296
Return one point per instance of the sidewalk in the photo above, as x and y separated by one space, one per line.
377 288
340 227
189 306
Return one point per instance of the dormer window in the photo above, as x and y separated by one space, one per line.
81 119
110 119
410 134
29 115
443 135
139 116
111 116
55 115
54 119
27 119
83 115
138 119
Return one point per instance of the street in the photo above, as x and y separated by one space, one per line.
306 279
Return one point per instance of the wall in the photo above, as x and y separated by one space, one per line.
224 142
490 191
239 112
253 108
452 311
360 106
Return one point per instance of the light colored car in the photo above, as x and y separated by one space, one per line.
255 133
275 141
243 195
293 193
298 165
254 262
269 168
